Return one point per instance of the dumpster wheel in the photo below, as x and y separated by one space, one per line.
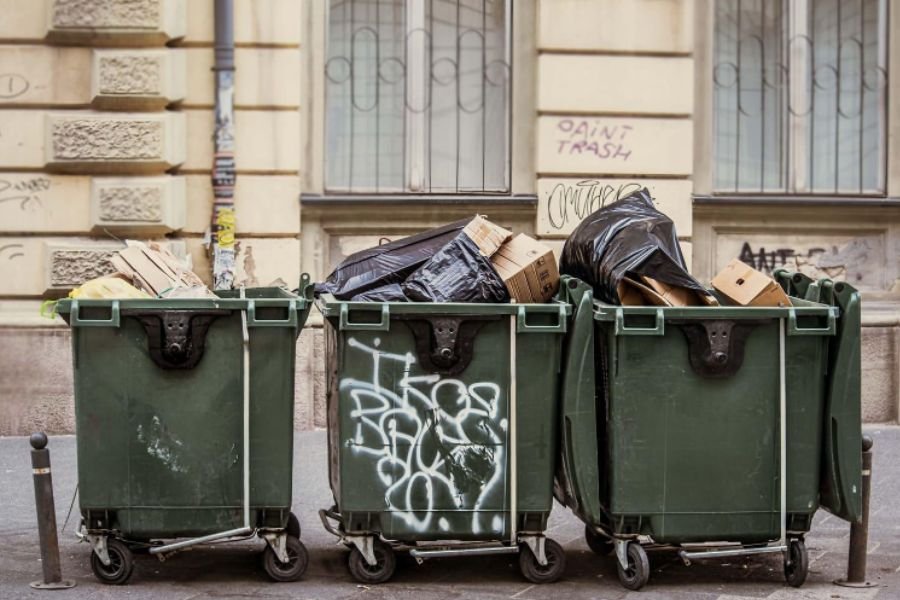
535 572
298 560
381 571
599 544
120 567
796 563
638 572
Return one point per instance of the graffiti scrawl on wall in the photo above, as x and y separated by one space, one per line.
435 443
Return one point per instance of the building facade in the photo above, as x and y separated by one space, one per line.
764 128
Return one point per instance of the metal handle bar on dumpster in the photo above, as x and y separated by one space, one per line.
383 325
254 321
77 321
522 325
829 329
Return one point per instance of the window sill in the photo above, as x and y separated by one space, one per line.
417 199
795 200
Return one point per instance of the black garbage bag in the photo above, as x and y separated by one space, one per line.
389 263
628 236
456 273
391 292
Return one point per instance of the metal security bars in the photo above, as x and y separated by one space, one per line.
800 96
417 96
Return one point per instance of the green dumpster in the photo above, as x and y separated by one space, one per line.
721 426
442 424
184 421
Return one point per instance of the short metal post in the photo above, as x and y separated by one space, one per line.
46 516
859 532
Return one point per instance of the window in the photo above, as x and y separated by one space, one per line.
800 96
418 96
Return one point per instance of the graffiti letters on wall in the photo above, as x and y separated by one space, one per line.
435 443
569 203
857 260
592 137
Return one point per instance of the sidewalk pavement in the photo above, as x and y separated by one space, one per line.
232 571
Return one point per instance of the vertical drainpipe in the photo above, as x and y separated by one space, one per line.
222 227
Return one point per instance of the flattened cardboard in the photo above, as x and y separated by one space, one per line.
486 235
745 286
678 296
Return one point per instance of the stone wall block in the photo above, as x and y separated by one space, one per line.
112 143
138 205
68 265
116 22
137 79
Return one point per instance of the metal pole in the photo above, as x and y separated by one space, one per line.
46 516
222 228
859 532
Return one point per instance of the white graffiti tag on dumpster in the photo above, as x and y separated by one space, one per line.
437 443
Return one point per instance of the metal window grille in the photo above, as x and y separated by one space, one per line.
418 96
800 96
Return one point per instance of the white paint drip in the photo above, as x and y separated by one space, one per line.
162 445
390 425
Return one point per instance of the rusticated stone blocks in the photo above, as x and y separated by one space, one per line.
137 79
138 204
97 142
117 22
69 267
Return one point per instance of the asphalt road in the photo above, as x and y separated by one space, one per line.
233 571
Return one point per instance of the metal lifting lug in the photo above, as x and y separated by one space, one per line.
176 338
444 345
716 346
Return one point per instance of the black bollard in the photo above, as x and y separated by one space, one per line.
46 516
859 532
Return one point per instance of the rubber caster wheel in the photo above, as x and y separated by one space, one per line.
638 572
535 572
381 571
294 568
797 568
598 544
121 563
293 526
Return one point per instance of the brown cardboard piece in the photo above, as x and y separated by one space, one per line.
656 293
153 269
745 286
528 268
486 235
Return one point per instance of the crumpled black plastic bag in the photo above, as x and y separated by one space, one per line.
628 236
389 263
457 273
391 292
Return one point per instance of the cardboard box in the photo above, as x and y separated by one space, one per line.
486 235
649 291
528 268
745 286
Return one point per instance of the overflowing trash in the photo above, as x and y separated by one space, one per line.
375 268
145 271
627 238
467 261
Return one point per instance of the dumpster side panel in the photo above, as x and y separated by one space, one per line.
161 450
428 452
693 458
419 454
